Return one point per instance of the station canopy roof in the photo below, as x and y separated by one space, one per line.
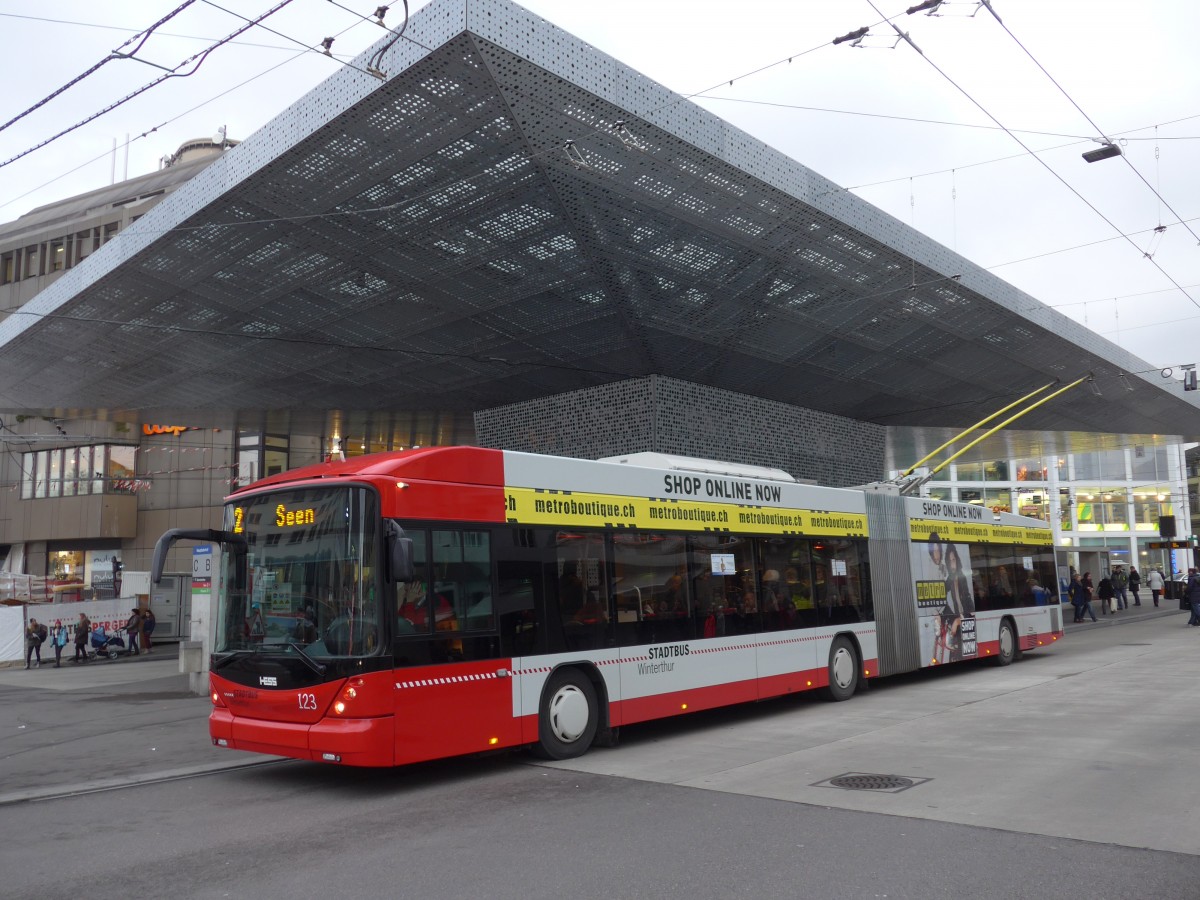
510 214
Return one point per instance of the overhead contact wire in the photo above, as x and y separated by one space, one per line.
1071 100
197 58
1048 168
115 54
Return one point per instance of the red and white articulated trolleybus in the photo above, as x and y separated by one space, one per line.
421 604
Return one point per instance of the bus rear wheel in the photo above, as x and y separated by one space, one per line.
1008 644
843 670
568 717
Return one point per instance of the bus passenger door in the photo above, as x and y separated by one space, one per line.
521 608
454 691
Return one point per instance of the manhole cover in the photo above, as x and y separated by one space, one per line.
871 782
868 781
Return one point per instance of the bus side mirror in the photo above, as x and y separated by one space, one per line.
400 554
402 559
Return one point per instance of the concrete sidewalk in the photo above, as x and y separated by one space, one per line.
103 724
1122 617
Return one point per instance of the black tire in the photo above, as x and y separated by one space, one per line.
568 717
843 670
112 653
1008 644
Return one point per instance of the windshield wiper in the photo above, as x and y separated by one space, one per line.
308 660
228 657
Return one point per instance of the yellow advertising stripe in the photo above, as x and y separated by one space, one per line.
978 533
575 509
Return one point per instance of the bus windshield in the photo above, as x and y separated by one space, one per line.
306 579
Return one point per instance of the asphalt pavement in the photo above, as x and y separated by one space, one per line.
101 725
111 723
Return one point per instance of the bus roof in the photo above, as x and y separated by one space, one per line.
652 460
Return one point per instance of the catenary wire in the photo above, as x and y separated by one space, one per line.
197 58
1078 138
377 57
152 130
1071 100
171 120
1049 169
115 54
286 37
729 81
171 34
1107 240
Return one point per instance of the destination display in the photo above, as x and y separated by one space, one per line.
321 507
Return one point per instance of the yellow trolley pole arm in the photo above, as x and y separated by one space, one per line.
978 424
1008 421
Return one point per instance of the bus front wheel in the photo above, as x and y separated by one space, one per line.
568 717
843 670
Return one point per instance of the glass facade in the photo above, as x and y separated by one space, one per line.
1105 505
1102 510
995 499
74 471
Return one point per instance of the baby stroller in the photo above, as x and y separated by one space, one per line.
105 645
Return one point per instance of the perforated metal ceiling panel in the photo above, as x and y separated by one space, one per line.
513 214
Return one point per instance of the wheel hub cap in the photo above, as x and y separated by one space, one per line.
568 713
842 668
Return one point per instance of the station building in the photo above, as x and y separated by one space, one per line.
514 240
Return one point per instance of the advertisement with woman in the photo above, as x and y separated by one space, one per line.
945 602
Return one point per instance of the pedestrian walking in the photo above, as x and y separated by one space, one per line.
83 630
58 637
1156 583
1192 592
1079 598
132 629
1135 582
148 622
1120 581
1108 595
35 636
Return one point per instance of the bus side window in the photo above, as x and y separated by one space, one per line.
412 597
516 604
582 593
721 572
462 581
651 570
525 573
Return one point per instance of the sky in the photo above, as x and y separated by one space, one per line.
975 139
